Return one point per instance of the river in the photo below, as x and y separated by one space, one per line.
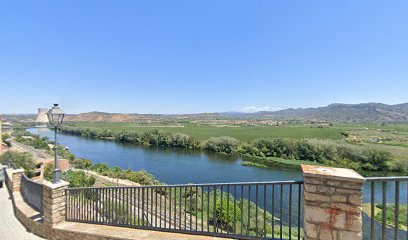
169 165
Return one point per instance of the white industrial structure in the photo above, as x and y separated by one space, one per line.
42 115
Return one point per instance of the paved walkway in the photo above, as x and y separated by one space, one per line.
10 227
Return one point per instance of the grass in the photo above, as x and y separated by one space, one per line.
253 164
390 216
242 133
271 162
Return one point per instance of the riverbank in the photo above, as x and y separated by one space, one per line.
273 162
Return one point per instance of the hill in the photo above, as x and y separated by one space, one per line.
364 112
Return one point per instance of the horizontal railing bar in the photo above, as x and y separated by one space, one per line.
197 185
386 179
174 230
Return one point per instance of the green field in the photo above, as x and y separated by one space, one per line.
242 133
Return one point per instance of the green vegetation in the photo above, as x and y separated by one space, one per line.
75 178
222 144
4 137
19 160
78 178
142 177
325 153
27 138
263 145
242 133
390 215
253 164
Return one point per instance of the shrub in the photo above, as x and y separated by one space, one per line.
19 160
78 178
222 144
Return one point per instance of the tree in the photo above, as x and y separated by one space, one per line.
222 144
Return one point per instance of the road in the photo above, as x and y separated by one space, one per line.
10 227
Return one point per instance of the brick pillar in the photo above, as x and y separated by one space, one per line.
54 202
14 181
332 203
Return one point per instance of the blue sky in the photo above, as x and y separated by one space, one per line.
201 56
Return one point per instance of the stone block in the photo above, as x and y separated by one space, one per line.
339 220
312 180
348 191
316 214
311 230
326 233
356 199
348 235
346 207
310 188
338 198
354 222
316 197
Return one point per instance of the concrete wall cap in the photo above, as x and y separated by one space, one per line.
343 174
20 170
51 185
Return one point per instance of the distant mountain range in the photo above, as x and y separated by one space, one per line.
363 112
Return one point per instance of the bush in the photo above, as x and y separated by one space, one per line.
19 160
32 140
80 163
222 144
141 177
49 171
4 137
324 153
78 178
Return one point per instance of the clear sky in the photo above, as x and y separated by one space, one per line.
201 56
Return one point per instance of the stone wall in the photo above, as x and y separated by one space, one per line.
30 218
14 179
70 235
54 202
332 203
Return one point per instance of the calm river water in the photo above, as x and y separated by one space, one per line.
169 165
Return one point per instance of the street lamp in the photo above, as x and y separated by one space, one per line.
55 117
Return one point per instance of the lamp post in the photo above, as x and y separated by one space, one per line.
55 117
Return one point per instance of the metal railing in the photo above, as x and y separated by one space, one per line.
32 193
255 210
386 210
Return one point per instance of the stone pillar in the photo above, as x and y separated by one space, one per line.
54 202
332 203
14 181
